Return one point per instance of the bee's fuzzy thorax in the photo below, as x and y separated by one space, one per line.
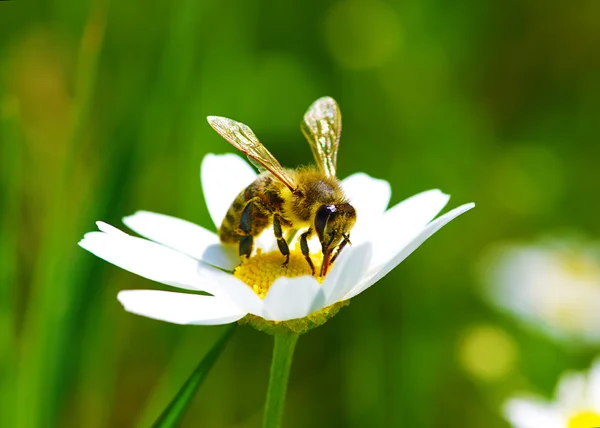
314 189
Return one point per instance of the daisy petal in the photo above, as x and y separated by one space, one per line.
266 241
290 298
144 258
226 286
406 219
183 236
523 413
594 384
370 197
571 391
381 271
107 228
179 308
223 177
346 272
418 210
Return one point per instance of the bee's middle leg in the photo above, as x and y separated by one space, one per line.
305 249
281 242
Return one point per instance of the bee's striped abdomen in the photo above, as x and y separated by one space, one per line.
228 230
261 214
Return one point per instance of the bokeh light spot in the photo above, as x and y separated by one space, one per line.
487 353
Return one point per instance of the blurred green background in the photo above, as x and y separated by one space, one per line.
102 113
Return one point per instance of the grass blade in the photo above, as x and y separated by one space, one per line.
55 281
10 185
171 416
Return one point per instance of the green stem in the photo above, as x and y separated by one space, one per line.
283 352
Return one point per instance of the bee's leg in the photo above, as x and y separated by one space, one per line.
252 221
246 244
305 251
339 250
281 242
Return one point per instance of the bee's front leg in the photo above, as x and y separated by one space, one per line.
340 248
281 242
305 249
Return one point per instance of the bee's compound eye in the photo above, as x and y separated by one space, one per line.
321 218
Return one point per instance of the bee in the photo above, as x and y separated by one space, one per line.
306 198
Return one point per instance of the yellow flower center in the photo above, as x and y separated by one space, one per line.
260 272
587 419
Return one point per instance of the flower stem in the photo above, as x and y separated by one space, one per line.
283 352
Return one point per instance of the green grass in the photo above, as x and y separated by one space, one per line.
102 113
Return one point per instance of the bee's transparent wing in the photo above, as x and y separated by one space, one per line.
243 139
322 127
256 165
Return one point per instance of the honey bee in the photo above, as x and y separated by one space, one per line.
310 197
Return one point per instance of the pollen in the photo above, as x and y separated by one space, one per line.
260 272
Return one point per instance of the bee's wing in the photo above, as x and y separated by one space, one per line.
256 165
243 139
322 127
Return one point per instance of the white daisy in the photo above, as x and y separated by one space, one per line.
553 285
187 256
576 404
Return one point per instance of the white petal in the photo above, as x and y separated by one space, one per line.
183 236
179 308
406 219
162 264
290 298
370 197
265 241
382 270
594 384
223 177
144 258
418 210
571 392
107 228
524 413
226 286
346 272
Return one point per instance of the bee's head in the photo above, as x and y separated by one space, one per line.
332 224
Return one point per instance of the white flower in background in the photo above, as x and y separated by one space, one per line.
576 404
554 286
187 256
